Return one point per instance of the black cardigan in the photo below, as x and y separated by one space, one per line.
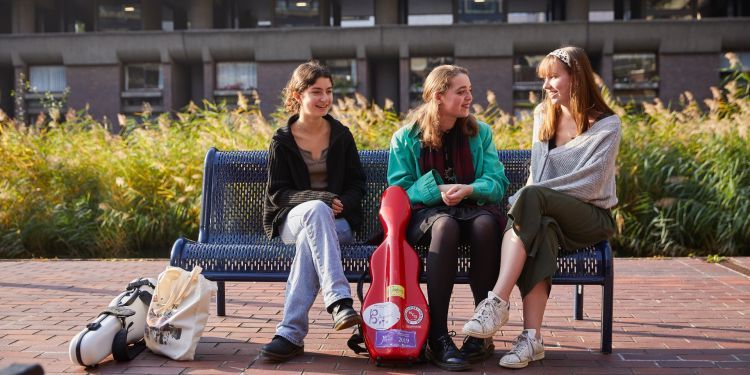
289 179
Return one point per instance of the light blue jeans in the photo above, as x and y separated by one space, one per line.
317 265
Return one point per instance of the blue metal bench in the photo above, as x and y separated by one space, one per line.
232 246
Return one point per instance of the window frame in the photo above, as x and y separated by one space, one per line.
649 87
416 83
154 96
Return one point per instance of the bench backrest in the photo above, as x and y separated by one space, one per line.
235 181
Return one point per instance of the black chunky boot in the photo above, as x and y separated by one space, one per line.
444 354
281 350
475 349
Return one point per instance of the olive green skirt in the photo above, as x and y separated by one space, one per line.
546 220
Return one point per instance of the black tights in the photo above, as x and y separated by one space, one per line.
442 260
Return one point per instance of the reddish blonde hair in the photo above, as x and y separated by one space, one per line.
585 96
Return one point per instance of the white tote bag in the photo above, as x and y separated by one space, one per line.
178 312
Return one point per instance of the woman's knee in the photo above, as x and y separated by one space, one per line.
317 208
531 192
510 235
445 225
485 226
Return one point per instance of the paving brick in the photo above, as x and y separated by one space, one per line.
665 371
154 370
745 365
685 364
602 371
721 371
668 313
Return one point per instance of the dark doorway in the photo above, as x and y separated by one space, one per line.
6 85
196 83
384 80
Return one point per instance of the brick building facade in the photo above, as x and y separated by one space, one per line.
114 55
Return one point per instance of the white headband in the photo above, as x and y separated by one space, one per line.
562 55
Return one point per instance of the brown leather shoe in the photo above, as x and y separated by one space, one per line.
344 315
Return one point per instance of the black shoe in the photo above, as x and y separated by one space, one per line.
444 354
281 349
475 349
344 315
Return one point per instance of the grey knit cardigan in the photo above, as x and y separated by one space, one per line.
583 168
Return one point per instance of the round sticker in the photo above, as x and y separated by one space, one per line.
413 315
381 316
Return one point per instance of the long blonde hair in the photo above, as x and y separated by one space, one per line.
427 115
585 97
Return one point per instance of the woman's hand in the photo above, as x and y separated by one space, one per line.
337 206
453 194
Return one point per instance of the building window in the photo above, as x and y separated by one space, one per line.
735 61
636 77
430 19
143 84
527 11
670 9
49 78
297 13
359 13
526 83
601 10
357 21
233 77
480 11
48 18
143 77
732 64
44 81
167 18
236 76
419 68
344 73
429 12
119 16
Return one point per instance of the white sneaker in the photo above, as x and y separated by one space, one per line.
488 317
526 349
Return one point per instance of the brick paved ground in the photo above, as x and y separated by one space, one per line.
673 316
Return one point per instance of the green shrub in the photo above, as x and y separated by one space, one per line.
684 178
71 188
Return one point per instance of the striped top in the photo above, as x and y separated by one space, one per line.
583 168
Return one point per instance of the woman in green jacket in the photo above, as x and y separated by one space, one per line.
446 161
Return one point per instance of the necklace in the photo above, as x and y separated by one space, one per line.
449 175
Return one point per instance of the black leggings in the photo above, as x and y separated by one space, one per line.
483 234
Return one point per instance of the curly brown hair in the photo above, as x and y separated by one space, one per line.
303 77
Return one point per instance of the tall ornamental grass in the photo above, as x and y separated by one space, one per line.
684 177
71 188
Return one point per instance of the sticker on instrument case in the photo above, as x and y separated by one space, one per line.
381 316
413 315
396 338
395 291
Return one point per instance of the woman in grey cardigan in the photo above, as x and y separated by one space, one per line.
566 201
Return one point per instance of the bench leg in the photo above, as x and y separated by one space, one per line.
607 296
578 302
220 299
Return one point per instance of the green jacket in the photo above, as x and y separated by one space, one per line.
490 182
